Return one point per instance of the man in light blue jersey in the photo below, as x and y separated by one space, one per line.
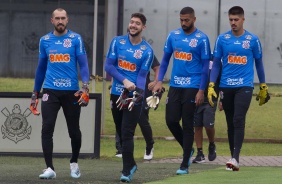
60 52
190 48
128 61
238 50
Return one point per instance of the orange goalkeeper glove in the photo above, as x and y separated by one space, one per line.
34 103
84 95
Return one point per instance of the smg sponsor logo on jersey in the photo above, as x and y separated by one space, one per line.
184 56
182 80
126 65
235 82
61 83
238 60
59 58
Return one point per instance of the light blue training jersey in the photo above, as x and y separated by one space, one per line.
129 59
188 52
61 52
238 54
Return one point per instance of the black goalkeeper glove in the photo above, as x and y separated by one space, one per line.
137 98
154 100
123 100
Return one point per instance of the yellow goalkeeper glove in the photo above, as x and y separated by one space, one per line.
211 93
263 95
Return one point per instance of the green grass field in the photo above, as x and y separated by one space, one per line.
263 123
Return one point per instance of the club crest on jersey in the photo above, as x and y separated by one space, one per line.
67 43
45 97
246 44
46 37
143 47
72 35
193 43
138 54
227 36
248 37
177 32
122 41
198 35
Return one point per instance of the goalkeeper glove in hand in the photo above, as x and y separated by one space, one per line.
137 98
263 95
211 93
154 100
84 95
123 100
34 103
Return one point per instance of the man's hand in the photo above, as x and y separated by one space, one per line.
34 103
211 93
199 97
84 95
154 100
123 100
263 95
158 87
130 86
151 85
137 98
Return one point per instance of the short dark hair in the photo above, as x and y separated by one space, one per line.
60 10
140 16
236 10
187 10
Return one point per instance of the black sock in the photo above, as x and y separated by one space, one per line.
200 151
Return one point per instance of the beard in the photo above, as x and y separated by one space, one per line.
60 28
135 34
187 29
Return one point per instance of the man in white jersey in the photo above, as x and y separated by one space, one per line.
239 50
190 48
60 51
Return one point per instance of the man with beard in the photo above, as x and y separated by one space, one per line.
143 122
60 51
238 50
190 48
128 61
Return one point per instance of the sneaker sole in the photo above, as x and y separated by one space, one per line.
46 178
198 162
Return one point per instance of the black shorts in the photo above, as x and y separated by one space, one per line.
205 115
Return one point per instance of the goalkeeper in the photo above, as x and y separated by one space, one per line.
238 50
144 118
128 61
57 68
